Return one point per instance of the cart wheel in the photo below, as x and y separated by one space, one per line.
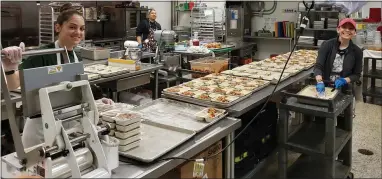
364 99
350 176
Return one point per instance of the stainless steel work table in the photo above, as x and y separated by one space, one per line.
260 96
189 149
129 80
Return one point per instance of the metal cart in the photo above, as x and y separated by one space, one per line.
374 73
325 134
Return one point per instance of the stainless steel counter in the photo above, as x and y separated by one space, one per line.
145 68
260 96
88 62
240 45
189 149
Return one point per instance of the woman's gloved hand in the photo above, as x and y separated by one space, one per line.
320 87
107 101
13 57
340 82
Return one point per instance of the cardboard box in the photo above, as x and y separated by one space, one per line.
213 167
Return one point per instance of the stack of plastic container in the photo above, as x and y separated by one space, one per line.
377 38
126 127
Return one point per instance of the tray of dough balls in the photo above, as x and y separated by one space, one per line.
217 90
139 137
105 70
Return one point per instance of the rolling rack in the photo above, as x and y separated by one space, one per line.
373 73
208 22
47 18
324 139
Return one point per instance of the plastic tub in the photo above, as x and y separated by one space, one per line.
110 148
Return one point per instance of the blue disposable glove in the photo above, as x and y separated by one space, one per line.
140 46
340 82
320 87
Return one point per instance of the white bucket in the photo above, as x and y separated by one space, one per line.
110 148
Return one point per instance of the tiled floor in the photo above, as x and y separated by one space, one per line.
367 133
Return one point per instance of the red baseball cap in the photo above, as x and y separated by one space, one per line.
347 20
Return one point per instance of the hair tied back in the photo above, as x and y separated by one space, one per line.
66 7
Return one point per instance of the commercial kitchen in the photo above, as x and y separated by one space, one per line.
189 89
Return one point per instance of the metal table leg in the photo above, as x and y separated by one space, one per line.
347 125
155 87
365 81
330 140
229 154
283 137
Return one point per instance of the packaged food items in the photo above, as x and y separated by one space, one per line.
209 114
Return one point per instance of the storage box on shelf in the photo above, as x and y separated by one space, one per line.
209 65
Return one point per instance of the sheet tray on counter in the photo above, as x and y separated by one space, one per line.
175 113
307 97
156 140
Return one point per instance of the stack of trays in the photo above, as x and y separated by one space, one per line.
126 127
318 24
332 23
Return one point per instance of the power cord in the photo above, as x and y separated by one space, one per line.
303 24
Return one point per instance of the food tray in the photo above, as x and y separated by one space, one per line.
149 148
105 71
209 103
310 93
175 113
93 76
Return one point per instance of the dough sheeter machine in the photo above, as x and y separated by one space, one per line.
60 95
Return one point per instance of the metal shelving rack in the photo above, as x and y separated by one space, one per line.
320 141
47 17
208 24
373 73
315 15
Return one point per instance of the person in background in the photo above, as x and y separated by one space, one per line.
70 27
145 31
339 60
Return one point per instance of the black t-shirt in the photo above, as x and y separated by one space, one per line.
50 60
46 60
144 26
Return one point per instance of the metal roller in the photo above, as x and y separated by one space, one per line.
41 52
61 168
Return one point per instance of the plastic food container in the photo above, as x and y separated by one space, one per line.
204 115
129 140
209 65
110 148
125 135
128 127
124 148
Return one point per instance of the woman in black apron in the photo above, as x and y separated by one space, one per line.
145 32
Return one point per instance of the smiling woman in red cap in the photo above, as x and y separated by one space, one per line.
339 59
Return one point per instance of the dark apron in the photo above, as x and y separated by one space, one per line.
150 44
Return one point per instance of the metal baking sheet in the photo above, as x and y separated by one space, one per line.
209 103
150 148
175 113
314 100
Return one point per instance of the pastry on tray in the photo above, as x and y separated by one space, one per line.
224 98
209 114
